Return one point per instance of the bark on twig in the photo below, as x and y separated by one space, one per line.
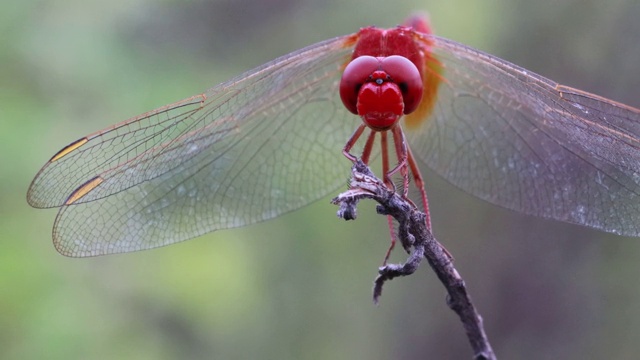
414 236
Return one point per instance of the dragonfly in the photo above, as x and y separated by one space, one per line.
268 142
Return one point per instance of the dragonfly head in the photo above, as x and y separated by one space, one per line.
381 89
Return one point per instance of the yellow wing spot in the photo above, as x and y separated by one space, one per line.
69 148
83 190
431 79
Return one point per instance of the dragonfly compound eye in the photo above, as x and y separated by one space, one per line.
357 72
405 74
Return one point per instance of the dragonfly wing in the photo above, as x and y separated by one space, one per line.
245 151
521 141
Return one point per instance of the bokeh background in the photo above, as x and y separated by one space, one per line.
297 287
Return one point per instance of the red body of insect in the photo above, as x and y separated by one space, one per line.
384 81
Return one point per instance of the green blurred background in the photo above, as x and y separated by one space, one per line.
297 287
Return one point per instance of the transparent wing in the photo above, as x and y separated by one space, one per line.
524 142
245 151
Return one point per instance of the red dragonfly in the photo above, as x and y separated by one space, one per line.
268 142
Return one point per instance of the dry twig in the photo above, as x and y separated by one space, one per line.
420 242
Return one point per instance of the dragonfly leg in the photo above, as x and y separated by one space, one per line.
387 180
419 182
384 145
368 146
352 141
402 154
